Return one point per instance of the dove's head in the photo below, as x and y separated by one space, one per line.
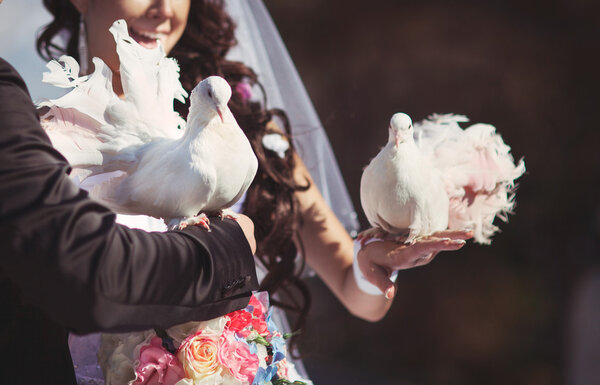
401 129
211 95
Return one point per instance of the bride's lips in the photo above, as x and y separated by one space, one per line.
147 39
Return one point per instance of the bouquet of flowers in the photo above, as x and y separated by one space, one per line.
241 348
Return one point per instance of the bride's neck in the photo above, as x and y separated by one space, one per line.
117 85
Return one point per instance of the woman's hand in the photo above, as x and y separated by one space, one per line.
378 260
248 228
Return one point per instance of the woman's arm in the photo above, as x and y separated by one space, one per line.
330 250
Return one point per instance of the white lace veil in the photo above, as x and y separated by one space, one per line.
261 48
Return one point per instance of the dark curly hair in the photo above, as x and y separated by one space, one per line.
271 201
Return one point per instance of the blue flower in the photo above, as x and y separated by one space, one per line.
278 346
252 348
264 375
270 324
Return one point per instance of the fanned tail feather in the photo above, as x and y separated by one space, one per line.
74 134
478 170
90 95
91 125
65 75
150 82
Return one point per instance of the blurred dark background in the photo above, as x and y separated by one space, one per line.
510 313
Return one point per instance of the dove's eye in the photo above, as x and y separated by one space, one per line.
209 93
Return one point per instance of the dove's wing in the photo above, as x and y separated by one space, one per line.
478 170
368 200
165 183
103 188
252 168
377 192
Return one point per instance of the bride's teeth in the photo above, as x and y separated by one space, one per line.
155 36
150 35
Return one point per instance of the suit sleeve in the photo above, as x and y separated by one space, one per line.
67 255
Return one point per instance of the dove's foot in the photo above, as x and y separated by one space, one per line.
199 220
407 237
229 214
373 232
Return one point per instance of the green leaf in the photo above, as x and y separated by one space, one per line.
283 381
289 335
260 340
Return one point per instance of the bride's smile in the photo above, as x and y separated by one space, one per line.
148 39
149 21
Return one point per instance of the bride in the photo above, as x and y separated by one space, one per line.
294 222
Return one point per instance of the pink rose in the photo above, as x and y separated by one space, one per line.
235 356
157 366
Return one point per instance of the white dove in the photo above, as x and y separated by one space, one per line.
158 169
208 169
476 168
400 191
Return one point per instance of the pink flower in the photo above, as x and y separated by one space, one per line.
282 369
259 310
260 325
235 356
198 355
244 90
157 366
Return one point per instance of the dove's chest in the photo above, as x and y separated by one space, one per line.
225 160
404 174
227 153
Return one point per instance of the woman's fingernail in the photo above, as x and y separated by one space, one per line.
389 293
459 242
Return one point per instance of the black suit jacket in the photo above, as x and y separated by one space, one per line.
65 264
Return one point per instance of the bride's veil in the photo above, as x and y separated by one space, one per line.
260 47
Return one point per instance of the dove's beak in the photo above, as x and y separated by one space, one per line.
398 138
220 114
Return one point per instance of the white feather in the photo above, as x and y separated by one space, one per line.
478 169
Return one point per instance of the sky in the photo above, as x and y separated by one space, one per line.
20 20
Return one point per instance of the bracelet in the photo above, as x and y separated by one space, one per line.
363 284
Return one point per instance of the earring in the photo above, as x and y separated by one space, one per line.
82 47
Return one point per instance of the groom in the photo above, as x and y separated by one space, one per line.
66 266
